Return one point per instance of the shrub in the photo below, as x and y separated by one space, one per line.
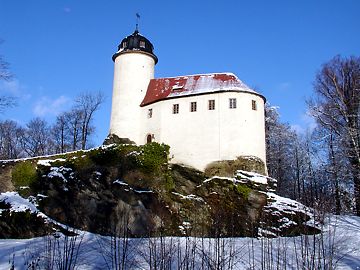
24 174
153 157
80 163
104 156
169 182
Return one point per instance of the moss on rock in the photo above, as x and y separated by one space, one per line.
228 167
243 190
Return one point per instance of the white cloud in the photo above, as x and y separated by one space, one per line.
306 124
46 106
14 88
284 86
10 87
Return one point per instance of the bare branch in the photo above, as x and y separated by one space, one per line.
6 102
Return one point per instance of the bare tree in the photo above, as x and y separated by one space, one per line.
61 134
280 151
87 104
6 102
11 135
73 128
73 122
5 74
336 107
333 186
36 139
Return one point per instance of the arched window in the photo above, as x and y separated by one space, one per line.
148 138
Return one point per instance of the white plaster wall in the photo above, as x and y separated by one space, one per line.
201 137
242 129
151 125
132 74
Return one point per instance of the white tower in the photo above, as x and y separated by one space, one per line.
134 68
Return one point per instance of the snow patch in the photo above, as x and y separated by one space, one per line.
47 162
143 191
119 182
17 203
59 172
252 177
189 197
286 205
184 227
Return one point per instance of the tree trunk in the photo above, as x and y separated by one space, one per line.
62 144
298 173
356 178
334 176
357 193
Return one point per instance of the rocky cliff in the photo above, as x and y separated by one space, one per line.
134 188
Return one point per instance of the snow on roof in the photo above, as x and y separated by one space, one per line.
171 87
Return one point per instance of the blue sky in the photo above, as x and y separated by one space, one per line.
58 49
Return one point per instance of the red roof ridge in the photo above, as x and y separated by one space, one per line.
196 84
199 74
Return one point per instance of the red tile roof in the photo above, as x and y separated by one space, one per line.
163 88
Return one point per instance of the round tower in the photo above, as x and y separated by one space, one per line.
134 68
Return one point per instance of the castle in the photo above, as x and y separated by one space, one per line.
203 118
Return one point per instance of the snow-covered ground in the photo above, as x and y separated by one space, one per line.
339 246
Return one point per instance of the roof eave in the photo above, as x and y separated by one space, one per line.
200 94
135 51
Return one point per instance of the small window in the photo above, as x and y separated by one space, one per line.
124 44
232 103
142 44
150 113
175 108
148 138
211 104
193 107
254 105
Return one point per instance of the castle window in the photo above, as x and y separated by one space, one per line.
142 44
212 104
193 107
150 112
232 103
254 105
148 138
175 108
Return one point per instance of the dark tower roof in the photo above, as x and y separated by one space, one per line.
135 42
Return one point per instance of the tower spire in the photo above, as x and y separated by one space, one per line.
137 22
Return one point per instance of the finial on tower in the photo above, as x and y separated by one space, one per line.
137 22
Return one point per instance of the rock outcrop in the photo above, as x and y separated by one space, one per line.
135 189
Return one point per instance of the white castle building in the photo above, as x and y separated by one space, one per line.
203 118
